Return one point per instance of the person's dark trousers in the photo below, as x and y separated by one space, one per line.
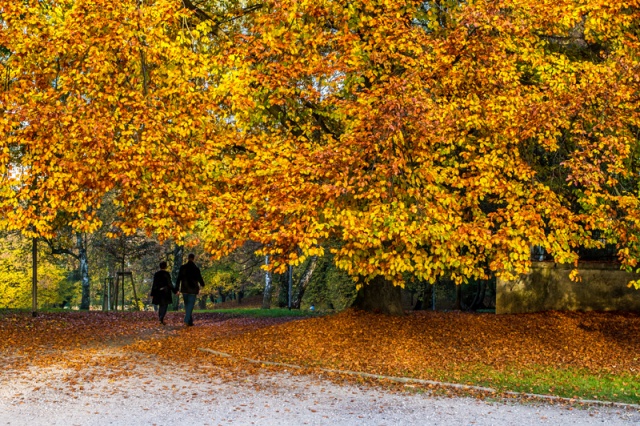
189 303
162 311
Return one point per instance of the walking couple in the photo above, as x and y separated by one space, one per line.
188 283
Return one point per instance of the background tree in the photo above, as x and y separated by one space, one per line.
54 290
237 275
78 250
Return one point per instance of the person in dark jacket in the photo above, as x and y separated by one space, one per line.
161 291
189 282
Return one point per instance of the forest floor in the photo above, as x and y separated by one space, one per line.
124 368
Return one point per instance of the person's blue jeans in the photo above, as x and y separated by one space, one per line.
189 303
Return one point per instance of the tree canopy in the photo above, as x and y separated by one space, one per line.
427 138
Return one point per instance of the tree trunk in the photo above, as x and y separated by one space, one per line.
425 299
178 253
202 302
304 282
380 296
34 277
84 272
283 290
478 297
268 287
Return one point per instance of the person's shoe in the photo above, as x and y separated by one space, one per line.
190 323
162 322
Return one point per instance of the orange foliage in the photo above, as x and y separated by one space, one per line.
433 139
415 344
100 98
421 345
425 139
27 338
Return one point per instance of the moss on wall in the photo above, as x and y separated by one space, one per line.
603 288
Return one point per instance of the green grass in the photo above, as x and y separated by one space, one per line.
262 313
566 382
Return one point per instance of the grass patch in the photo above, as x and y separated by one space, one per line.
262 313
565 382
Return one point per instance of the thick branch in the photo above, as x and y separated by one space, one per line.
57 250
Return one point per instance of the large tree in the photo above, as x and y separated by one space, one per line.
429 138
433 138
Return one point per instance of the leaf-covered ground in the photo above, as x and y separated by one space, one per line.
586 355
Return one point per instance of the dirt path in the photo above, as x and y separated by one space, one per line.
123 388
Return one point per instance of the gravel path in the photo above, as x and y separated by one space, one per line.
59 396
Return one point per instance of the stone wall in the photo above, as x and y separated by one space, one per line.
548 287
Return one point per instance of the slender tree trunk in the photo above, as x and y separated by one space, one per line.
113 283
268 287
380 296
178 253
289 286
34 277
304 282
85 302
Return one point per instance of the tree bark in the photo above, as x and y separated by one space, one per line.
268 287
283 290
304 282
380 296
34 278
85 302
202 302
425 299
178 253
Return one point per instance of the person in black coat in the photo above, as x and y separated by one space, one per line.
161 290
188 283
